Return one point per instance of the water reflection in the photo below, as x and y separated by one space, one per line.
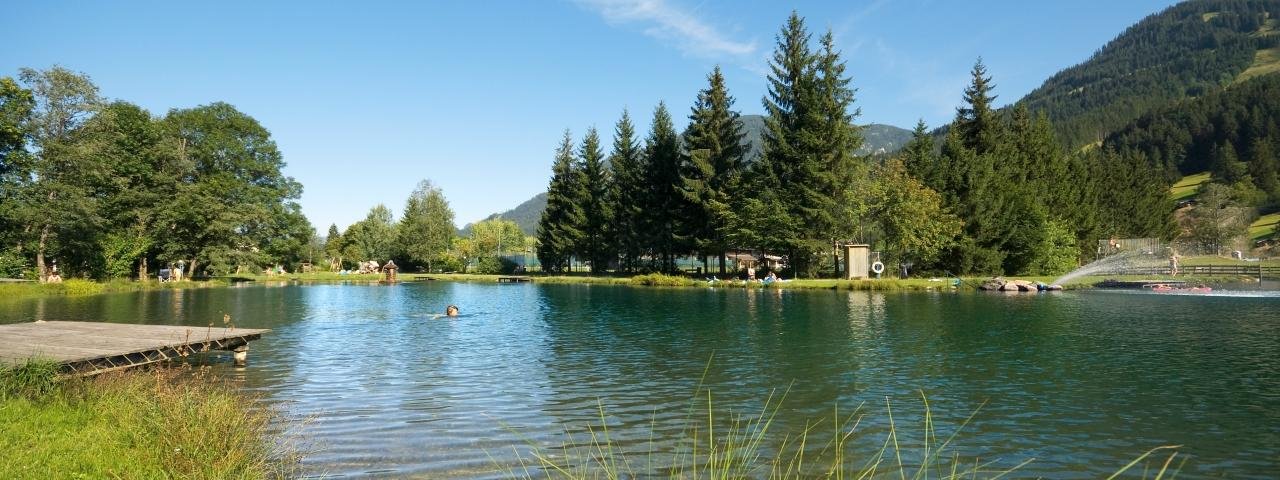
1084 382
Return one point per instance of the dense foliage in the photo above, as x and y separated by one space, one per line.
104 189
1000 195
1234 133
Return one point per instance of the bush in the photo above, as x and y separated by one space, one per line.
77 286
12 264
662 280
495 265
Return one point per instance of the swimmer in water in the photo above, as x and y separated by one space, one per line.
451 311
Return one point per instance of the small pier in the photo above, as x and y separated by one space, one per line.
90 348
514 279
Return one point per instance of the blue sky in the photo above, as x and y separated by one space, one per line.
367 98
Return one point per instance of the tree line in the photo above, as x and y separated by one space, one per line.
425 239
104 189
998 196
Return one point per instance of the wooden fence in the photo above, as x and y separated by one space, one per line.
1254 271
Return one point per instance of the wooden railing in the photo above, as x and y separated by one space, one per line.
1255 271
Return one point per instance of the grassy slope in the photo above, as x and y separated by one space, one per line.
1265 61
142 424
1189 186
1264 226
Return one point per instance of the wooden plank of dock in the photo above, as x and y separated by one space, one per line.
512 279
88 348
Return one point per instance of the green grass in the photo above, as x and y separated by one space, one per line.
1264 61
1216 260
1268 27
1189 186
1264 226
77 287
165 423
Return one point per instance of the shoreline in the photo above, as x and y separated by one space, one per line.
82 288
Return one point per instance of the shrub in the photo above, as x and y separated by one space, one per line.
662 280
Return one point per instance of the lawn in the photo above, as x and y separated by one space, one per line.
1264 226
1189 186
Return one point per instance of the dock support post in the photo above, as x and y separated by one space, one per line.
241 355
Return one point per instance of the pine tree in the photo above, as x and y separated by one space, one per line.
809 145
1226 165
712 170
920 158
628 192
977 121
663 204
560 228
1264 167
842 173
597 205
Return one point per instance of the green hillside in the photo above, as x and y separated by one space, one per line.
1185 51
1189 186
526 215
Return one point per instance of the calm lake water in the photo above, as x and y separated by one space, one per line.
1081 382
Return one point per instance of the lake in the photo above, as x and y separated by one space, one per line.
1081 382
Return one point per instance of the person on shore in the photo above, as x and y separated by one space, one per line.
1173 263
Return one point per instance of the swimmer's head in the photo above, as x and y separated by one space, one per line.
451 310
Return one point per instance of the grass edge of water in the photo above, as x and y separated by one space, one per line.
173 421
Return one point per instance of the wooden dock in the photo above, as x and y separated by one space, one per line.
89 348
509 279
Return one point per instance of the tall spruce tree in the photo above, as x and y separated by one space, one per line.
597 246
629 188
843 174
786 172
977 121
809 144
920 158
712 170
560 228
664 204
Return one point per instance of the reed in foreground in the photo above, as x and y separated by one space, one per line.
838 447
163 423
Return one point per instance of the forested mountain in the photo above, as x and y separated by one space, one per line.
1234 133
1187 50
877 138
526 215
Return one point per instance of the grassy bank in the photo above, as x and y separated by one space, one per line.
888 284
661 280
76 287
166 423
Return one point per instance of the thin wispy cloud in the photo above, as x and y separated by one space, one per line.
674 25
